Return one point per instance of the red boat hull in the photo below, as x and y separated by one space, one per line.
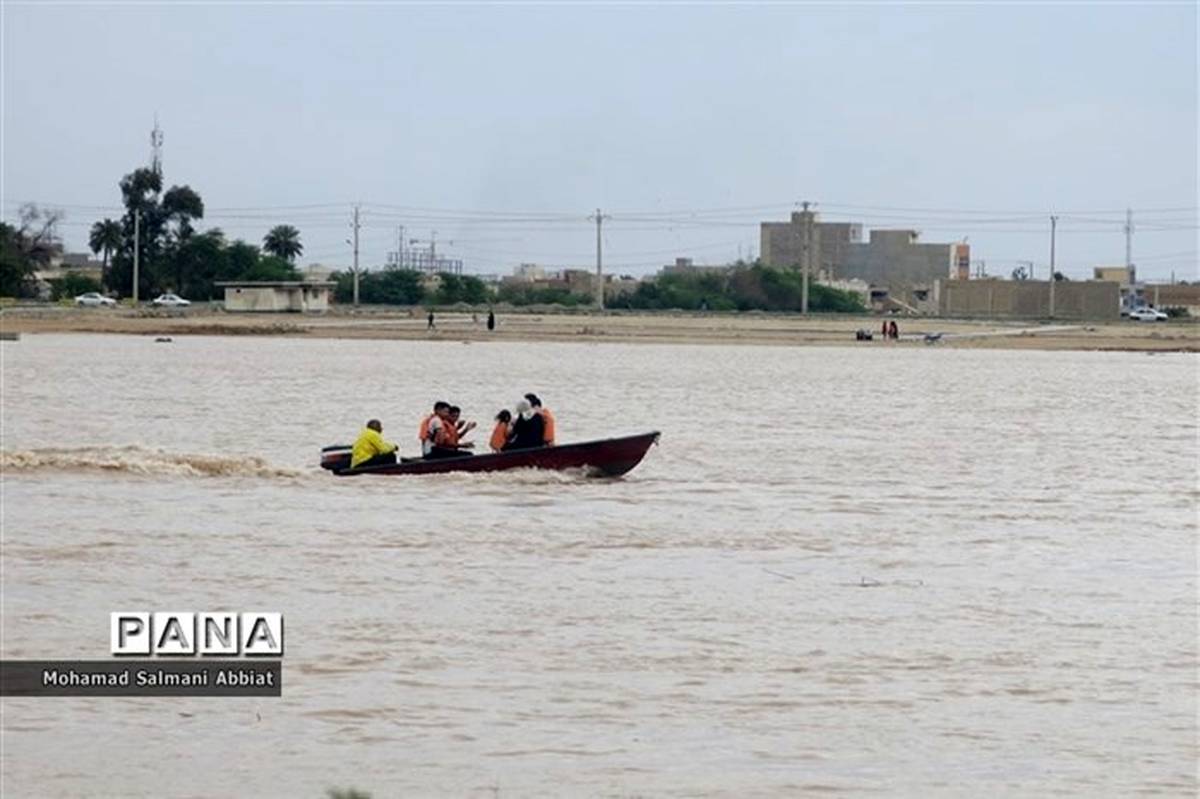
608 457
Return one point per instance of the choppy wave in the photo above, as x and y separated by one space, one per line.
137 460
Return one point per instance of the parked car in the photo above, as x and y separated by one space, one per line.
94 299
170 301
1147 315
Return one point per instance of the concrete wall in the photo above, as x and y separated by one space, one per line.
1029 299
276 299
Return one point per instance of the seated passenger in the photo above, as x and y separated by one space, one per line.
501 431
442 438
460 427
547 419
432 431
528 428
370 449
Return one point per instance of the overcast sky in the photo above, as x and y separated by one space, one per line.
504 127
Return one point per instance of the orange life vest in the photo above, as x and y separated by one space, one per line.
548 426
448 435
499 436
423 433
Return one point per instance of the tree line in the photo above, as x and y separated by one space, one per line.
172 255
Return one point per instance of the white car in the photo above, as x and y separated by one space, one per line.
94 299
1147 315
171 301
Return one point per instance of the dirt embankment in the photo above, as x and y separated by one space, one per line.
749 328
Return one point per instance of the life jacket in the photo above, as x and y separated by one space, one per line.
448 435
548 426
423 432
499 436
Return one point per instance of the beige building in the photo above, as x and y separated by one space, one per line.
890 258
296 296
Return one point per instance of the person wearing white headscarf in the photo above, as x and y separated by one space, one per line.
528 428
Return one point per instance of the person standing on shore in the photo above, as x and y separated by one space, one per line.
491 323
430 326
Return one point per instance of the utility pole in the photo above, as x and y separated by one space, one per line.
599 218
356 226
806 264
1053 234
1129 242
137 246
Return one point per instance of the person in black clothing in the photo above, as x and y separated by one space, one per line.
491 323
528 429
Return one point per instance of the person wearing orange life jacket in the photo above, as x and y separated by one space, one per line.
547 419
501 431
432 429
455 429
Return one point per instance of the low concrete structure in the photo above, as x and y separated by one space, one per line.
296 296
1029 299
1179 296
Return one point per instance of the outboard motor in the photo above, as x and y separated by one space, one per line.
336 458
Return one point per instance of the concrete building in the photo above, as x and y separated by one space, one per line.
297 296
1180 296
1030 299
889 258
1133 293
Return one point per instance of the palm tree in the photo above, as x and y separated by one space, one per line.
283 242
106 237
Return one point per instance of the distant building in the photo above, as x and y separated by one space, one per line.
1133 294
1175 296
686 266
297 296
889 258
1029 299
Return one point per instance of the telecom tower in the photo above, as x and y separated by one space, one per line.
156 143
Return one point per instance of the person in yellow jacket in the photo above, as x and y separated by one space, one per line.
370 449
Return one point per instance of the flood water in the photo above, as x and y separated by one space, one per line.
895 570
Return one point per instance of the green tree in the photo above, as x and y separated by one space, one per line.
270 268
461 288
242 259
283 241
201 261
388 286
72 284
27 247
159 245
105 239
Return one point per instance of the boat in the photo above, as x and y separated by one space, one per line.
607 457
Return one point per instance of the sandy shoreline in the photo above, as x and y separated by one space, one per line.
663 327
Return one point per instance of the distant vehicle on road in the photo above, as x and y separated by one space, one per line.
170 301
94 299
1147 315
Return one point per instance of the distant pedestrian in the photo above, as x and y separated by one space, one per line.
883 331
895 331
431 325
491 321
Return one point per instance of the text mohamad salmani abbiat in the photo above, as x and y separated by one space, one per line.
159 678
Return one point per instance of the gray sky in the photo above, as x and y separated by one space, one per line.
503 127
